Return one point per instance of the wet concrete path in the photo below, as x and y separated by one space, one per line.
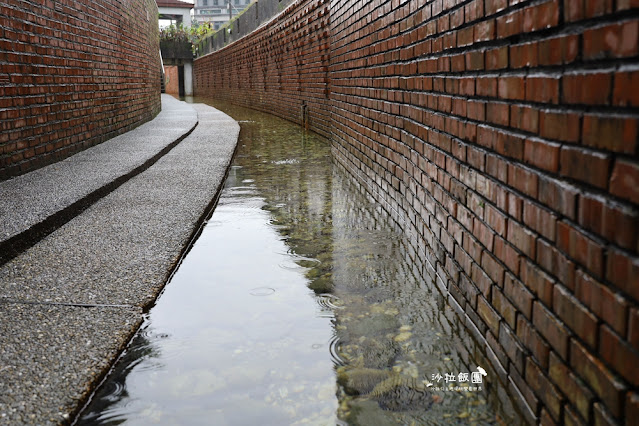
71 302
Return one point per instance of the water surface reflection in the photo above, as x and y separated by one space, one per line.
301 303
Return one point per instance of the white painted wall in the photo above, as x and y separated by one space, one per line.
186 13
188 78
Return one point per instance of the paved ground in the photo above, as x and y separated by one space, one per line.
70 303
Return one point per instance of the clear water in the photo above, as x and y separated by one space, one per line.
300 303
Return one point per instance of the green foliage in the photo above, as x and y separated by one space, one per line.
193 34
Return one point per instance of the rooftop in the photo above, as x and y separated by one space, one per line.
174 3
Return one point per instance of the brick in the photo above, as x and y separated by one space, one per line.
559 50
476 110
523 179
617 134
457 18
511 87
468 289
623 271
495 219
624 182
486 86
571 386
545 418
539 282
503 306
559 126
482 280
495 6
497 58
594 8
458 301
598 377
497 357
507 254
513 349
497 167
493 268
510 24
498 113
632 405
604 303
484 31
551 329
544 389
541 16
619 354
624 91
558 195
510 145
584 165
483 233
583 249
627 4
465 217
611 41
539 219
580 9
522 238
490 317
615 222
474 10
575 315
571 418
586 89
542 89
633 328
621 225
542 154
531 339
464 260
475 60
498 195
524 118
524 55
523 396
521 297
602 416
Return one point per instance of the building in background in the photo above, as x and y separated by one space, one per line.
217 11
176 11
177 57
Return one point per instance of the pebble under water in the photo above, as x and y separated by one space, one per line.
301 302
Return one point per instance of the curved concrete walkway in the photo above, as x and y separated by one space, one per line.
34 204
70 303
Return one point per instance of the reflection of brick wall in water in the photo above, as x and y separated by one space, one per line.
506 137
73 74
171 81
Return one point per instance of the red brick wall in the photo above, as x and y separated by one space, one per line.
73 74
280 68
505 134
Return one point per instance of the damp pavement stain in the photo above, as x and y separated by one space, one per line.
301 302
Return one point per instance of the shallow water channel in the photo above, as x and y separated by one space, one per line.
301 302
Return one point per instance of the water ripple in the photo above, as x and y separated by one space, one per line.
262 291
329 301
334 347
